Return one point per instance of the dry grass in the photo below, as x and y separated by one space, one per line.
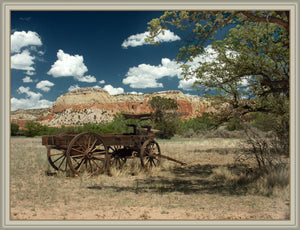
207 188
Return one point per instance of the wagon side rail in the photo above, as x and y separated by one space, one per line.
57 141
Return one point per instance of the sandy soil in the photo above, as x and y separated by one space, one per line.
170 192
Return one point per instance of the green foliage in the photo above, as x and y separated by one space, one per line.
248 62
167 128
264 121
169 125
50 130
14 129
165 116
34 129
252 61
163 108
163 104
234 124
206 121
118 125
201 123
203 25
69 129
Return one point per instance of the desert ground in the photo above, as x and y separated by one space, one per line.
205 188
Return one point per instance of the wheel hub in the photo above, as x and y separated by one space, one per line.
89 155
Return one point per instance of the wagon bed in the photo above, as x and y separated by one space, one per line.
63 140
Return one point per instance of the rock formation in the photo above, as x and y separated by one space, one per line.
95 105
22 116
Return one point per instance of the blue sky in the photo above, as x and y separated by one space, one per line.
53 52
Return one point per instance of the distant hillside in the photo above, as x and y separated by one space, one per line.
93 105
29 113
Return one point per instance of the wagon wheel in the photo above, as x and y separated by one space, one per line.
57 159
87 152
117 159
150 154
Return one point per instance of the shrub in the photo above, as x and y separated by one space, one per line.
267 184
194 126
222 173
14 129
50 130
206 122
118 125
234 124
95 128
33 129
165 116
265 149
166 128
264 121
189 133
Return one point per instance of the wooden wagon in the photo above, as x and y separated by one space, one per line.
95 153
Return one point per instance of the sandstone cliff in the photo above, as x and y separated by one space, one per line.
22 116
93 105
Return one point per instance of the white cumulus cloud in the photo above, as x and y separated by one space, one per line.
20 39
113 91
32 100
70 65
72 87
44 85
135 93
28 72
87 78
27 79
102 82
139 39
208 56
22 61
187 84
146 76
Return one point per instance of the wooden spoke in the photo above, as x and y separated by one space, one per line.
92 146
55 154
78 144
117 155
61 156
150 154
96 164
56 158
78 163
77 150
99 159
76 156
78 167
61 162
92 153
102 152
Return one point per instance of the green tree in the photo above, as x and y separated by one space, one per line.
249 68
33 129
165 116
203 25
252 61
14 129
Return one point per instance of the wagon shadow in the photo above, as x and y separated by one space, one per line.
196 179
187 180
